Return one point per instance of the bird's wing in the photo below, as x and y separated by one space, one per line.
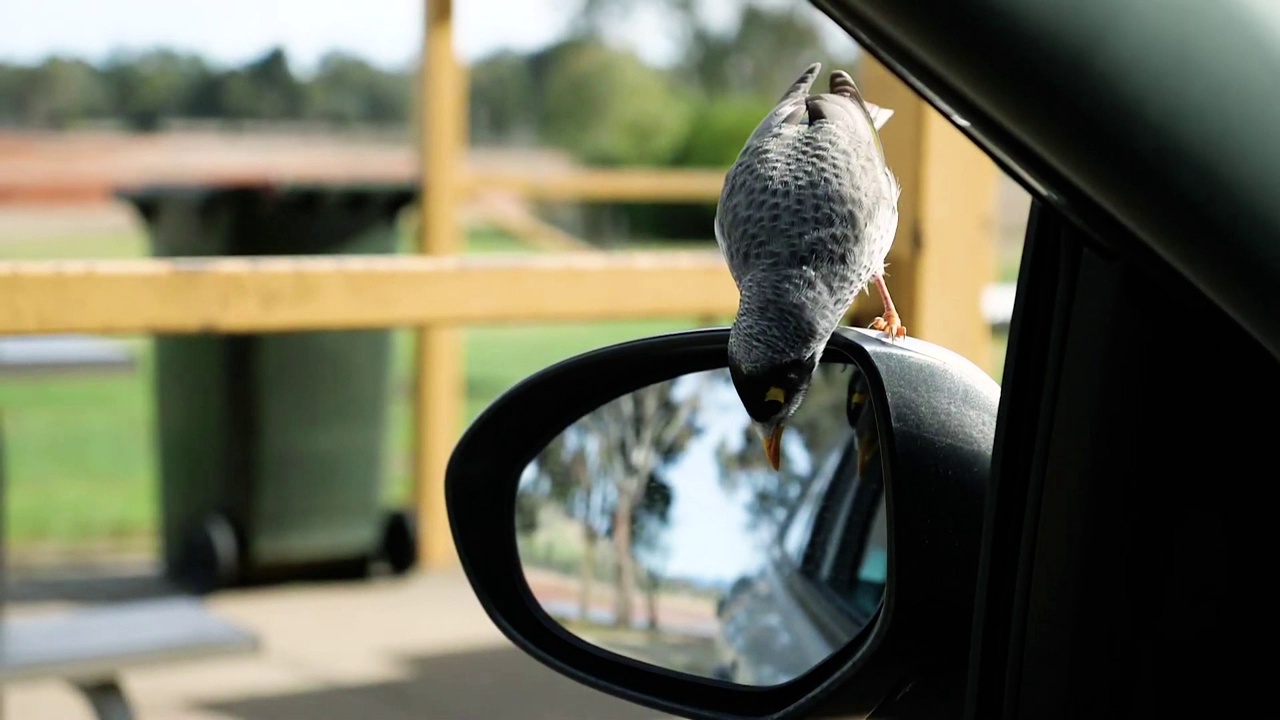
844 102
842 87
790 108
803 84
719 231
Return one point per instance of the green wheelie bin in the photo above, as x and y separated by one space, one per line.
271 445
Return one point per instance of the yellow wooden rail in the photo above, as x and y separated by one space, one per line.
348 292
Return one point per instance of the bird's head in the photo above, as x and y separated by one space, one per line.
771 393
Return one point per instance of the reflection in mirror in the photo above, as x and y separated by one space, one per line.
654 528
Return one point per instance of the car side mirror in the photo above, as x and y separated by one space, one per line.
617 520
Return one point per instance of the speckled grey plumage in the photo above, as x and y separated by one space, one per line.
806 217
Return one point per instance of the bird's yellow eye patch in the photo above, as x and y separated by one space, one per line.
776 394
857 399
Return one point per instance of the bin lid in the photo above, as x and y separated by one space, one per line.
266 188
389 196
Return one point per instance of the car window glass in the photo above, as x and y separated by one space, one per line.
796 539
849 560
868 585
833 550
832 517
875 558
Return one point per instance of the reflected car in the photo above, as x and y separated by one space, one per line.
809 600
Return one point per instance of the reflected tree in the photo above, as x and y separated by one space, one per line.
564 463
606 472
643 431
649 519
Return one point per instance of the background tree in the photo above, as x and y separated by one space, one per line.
146 88
735 74
504 100
571 485
55 94
346 90
263 90
649 519
608 108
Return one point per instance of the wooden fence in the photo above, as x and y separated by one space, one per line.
940 265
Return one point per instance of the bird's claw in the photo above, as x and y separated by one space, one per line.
890 324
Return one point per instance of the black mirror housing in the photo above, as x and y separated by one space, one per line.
936 414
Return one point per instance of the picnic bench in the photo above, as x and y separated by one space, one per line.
92 647
29 354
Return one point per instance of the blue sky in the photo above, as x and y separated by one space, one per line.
387 32
709 536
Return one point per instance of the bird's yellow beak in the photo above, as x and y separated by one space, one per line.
773 447
773 441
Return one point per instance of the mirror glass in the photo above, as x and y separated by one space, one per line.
655 528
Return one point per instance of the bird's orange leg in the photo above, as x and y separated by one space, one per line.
889 322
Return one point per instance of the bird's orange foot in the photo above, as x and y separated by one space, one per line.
891 324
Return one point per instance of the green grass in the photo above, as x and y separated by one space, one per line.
999 348
485 240
82 470
79 458
110 246
1008 261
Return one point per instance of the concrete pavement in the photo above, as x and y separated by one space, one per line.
389 648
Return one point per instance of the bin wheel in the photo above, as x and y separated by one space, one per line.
212 560
399 541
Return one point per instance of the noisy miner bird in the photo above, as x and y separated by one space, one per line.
805 220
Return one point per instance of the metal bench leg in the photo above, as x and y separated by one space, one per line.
107 699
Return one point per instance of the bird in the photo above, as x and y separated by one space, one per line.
806 216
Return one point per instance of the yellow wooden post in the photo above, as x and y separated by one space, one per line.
943 256
462 91
439 402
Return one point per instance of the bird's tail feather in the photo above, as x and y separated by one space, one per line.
803 84
797 105
790 108
842 84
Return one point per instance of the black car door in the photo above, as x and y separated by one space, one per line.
1127 544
